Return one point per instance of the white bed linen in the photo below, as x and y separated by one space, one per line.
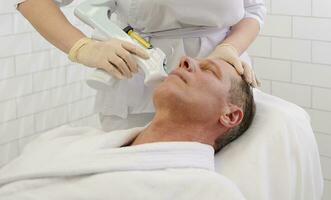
277 158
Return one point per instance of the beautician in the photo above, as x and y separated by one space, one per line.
212 28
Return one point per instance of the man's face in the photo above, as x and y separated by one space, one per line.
197 90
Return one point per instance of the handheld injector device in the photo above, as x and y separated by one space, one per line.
97 14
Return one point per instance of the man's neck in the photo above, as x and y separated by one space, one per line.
165 130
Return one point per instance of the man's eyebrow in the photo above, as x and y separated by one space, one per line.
216 68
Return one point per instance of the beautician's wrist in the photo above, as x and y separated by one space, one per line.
72 40
73 52
226 44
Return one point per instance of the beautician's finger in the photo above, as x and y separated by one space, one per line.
258 82
111 69
121 66
237 65
135 50
254 82
247 72
127 57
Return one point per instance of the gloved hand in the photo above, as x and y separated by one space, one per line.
228 53
113 56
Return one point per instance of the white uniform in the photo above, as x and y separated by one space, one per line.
171 25
192 28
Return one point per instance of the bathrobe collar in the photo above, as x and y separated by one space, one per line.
106 157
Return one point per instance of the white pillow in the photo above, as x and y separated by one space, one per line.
277 158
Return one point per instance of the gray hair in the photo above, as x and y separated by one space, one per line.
241 94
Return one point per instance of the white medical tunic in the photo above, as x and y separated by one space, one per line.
192 28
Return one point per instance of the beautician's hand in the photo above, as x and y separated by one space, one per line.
228 53
113 56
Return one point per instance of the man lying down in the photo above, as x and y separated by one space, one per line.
202 106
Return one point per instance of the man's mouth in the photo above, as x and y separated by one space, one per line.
179 75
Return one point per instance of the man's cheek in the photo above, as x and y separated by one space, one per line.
207 85
201 81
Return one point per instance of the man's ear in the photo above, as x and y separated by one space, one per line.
231 117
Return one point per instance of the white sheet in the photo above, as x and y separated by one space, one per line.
84 163
277 158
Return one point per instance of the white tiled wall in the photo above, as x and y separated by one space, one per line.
39 88
292 56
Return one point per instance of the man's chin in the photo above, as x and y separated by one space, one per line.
168 90
164 88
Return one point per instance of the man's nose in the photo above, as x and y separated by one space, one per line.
188 63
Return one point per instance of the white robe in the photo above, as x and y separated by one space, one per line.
85 163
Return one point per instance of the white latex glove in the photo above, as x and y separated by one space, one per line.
228 53
113 56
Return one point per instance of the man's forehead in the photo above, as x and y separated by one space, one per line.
224 66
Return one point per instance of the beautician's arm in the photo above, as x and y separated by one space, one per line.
113 56
239 39
49 21
243 34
